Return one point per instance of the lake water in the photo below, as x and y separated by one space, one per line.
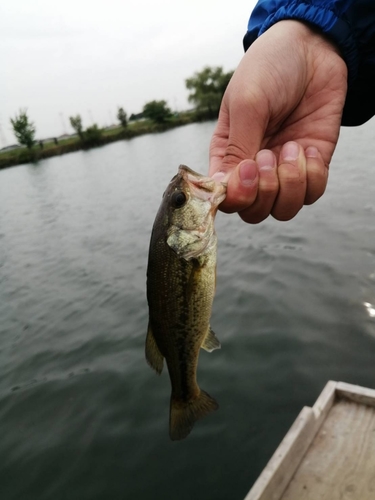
82 416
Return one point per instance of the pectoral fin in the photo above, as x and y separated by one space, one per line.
210 342
153 356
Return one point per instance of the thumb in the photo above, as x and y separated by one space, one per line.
235 142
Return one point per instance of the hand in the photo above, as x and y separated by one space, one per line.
282 108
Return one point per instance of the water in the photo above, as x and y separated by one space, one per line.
82 416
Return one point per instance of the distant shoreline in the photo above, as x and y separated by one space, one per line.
21 155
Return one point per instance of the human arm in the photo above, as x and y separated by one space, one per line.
290 86
349 24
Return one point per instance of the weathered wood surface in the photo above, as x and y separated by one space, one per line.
280 469
340 463
356 393
329 452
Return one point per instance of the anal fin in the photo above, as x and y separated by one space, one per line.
153 355
210 342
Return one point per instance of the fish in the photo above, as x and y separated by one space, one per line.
181 282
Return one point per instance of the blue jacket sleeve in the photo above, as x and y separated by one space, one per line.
350 24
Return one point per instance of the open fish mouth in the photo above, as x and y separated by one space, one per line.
203 187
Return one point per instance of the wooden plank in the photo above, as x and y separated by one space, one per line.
361 395
340 463
325 402
277 474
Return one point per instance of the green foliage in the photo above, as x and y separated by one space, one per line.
122 117
157 111
136 116
76 123
23 129
93 135
134 129
207 89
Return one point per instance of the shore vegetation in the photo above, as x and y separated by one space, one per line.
206 91
23 129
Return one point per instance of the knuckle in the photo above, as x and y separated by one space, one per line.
283 214
313 195
291 177
227 208
245 200
254 217
316 186
269 188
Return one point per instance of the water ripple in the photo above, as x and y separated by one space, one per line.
81 413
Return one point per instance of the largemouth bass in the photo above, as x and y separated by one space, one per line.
181 277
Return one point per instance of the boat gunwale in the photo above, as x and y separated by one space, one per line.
276 476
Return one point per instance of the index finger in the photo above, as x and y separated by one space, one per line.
242 186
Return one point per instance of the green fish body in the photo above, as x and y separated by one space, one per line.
181 277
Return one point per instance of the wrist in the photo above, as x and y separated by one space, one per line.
308 37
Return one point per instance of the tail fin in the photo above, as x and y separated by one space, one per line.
184 415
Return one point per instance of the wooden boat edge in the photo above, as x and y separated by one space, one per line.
280 469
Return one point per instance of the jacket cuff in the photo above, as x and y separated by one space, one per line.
335 28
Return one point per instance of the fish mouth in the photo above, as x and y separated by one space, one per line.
204 187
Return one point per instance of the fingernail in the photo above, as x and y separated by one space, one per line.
219 177
248 172
290 151
311 152
265 160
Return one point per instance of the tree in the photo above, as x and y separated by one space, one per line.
23 129
157 111
137 116
207 89
93 135
76 123
122 117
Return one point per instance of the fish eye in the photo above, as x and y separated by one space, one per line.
178 199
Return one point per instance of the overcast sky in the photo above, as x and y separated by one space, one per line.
60 58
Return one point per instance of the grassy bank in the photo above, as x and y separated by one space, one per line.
24 155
